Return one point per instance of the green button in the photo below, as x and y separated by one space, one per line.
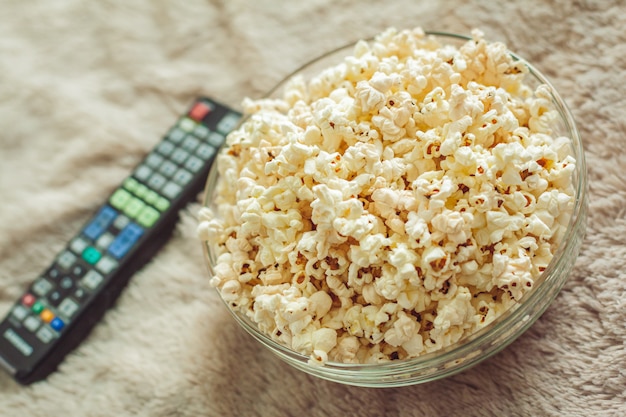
131 184
162 204
120 198
37 307
141 191
151 197
91 255
148 217
133 207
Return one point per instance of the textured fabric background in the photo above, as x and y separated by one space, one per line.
86 88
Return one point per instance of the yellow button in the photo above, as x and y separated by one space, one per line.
47 315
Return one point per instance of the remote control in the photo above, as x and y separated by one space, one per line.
64 303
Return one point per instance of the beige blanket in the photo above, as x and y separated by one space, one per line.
86 88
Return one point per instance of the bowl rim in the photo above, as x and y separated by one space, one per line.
504 329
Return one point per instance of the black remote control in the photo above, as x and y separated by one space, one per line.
63 304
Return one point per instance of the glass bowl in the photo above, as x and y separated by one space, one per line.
488 340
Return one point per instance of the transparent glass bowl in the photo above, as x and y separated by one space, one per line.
481 344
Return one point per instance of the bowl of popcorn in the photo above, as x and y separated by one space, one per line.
397 210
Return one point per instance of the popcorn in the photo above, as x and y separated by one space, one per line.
392 205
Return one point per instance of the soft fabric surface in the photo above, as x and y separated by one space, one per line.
87 88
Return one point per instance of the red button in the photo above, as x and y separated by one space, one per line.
28 300
199 111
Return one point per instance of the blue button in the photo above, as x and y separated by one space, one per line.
57 324
125 240
100 222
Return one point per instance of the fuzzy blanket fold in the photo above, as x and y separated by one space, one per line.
87 88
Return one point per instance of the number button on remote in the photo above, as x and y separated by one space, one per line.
176 135
154 160
216 139
179 156
143 172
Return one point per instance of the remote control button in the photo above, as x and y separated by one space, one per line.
216 139
179 156
68 307
141 191
91 280
176 135
55 298
20 312
186 124
125 240
37 307
131 184
190 143
78 245
31 323
121 222
91 255
80 294
67 283
168 168
199 111
45 335
151 197
46 316
105 240
228 123
165 147
183 177
54 273
100 223
205 151
156 181
148 217
28 300
106 265
57 324
78 270
17 342
162 204
154 160
42 286
142 172
194 164
201 131
133 207
171 190
66 259
119 199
